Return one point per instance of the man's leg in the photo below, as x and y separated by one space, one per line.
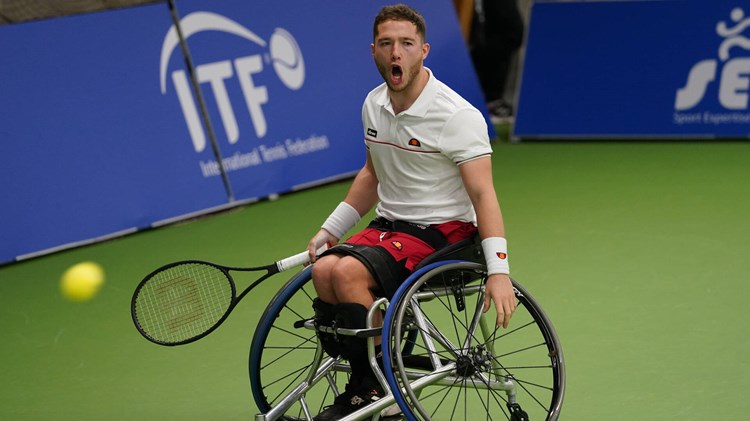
325 304
347 283
321 276
344 279
352 282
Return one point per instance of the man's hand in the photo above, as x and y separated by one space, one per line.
499 289
320 239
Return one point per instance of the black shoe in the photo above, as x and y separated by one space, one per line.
500 111
353 399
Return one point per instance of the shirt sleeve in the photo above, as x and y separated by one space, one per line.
465 136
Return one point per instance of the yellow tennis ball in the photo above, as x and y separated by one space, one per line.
82 281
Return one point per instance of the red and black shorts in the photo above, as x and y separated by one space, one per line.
392 249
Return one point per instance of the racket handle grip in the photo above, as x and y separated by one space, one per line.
297 259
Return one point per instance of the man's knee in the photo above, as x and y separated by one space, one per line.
321 271
321 278
350 274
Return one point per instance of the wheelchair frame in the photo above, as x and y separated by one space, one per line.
441 359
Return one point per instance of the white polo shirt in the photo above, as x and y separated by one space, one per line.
416 153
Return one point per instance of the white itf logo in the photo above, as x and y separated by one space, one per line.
283 53
734 81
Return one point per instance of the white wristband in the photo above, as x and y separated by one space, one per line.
343 218
496 254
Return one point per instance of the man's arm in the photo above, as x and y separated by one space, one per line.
363 193
477 178
361 197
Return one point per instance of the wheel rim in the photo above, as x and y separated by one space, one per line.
478 364
281 354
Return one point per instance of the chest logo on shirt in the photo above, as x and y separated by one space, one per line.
372 132
397 244
415 143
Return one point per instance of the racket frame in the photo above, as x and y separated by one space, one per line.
272 269
226 270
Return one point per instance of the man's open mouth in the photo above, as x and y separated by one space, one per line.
396 74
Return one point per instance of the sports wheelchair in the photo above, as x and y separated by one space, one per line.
442 358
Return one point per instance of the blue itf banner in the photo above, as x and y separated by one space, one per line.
284 82
89 147
103 134
636 69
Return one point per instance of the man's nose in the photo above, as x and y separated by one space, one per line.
396 52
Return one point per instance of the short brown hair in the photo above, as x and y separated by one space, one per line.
400 12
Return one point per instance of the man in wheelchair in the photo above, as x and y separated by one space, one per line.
428 174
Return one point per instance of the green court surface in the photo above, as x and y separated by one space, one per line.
638 252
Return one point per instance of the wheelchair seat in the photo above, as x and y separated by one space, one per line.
469 249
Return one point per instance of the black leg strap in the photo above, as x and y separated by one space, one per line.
324 316
354 316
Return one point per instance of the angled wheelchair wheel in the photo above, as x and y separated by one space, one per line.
282 353
460 366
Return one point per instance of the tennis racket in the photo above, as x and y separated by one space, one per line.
184 301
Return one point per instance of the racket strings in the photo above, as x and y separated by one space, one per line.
183 302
